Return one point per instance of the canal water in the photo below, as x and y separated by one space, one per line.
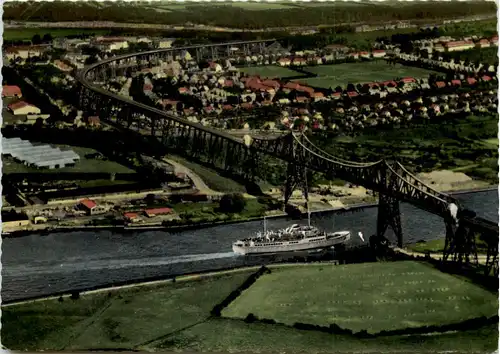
37 265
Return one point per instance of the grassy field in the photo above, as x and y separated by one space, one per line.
14 34
237 336
269 71
210 177
175 316
354 73
123 319
84 165
368 296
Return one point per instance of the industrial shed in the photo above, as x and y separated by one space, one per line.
42 156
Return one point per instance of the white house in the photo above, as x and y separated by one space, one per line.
284 62
215 67
22 108
165 43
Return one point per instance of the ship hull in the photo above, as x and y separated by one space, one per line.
291 247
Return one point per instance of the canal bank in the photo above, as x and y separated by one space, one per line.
127 229
36 266
46 229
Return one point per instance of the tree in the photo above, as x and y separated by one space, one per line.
232 203
47 37
36 39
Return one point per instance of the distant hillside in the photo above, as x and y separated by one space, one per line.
243 15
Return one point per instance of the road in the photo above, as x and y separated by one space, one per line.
481 258
199 184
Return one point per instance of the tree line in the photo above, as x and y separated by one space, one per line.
237 17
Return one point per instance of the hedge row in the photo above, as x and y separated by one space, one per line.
216 311
335 329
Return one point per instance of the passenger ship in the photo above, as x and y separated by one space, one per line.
293 238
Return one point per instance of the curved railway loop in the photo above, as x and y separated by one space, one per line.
390 180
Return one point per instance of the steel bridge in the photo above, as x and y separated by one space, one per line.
392 182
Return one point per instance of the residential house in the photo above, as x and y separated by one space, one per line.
184 55
11 91
483 43
458 45
315 60
157 211
284 62
299 61
471 80
336 48
25 52
215 67
88 205
111 43
379 53
94 122
456 82
494 40
438 48
365 55
23 108
62 66
132 217
317 96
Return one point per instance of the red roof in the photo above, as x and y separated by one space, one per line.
291 85
486 78
494 39
456 82
147 87
336 94
378 51
228 83
471 80
130 215
272 83
307 89
317 94
352 94
284 60
183 90
18 105
227 107
94 120
408 79
157 211
440 84
391 82
89 204
458 43
246 105
10 91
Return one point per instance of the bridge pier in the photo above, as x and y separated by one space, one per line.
389 216
460 243
296 177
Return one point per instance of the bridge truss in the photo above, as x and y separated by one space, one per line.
392 181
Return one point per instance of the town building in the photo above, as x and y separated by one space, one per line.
458 45
157 211
132 217
90 207
165 43
12 221
483 43
23 108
